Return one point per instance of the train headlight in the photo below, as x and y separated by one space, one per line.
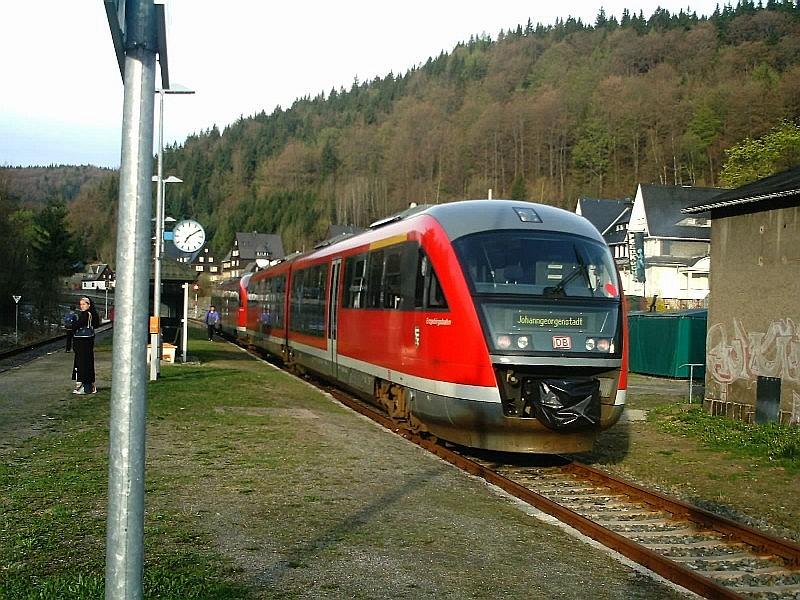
504 342
590 344
522 342
603 344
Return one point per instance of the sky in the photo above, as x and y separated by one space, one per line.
61 94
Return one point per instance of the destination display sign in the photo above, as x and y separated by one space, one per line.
552 321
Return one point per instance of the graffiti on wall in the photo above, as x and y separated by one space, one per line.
743 355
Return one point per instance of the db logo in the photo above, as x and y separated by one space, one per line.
562 342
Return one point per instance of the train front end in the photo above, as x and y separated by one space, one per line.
547 295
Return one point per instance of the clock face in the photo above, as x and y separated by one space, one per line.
188 236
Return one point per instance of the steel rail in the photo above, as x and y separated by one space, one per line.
785 549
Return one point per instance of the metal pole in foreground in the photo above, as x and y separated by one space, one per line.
125 524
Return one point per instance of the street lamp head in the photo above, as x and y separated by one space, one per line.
170 179
175 89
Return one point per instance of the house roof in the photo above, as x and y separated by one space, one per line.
663 204
95 271
251 245
777 187
172 270
605 214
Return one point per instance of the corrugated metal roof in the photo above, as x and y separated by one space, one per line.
781 185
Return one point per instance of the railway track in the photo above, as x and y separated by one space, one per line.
695 549
10 359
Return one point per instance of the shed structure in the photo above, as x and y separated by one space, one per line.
753 341
666 343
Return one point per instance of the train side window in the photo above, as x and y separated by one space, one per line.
307 300
436 297
277 308
423 265
428 292
355 281
393 294
375 280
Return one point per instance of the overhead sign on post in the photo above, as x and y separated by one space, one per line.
115 12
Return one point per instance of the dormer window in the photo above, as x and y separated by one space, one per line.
694 222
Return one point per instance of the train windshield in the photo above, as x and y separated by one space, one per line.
543 292
537 264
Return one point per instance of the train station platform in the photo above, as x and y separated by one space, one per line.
33 394
305 499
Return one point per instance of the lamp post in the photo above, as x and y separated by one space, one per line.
155 330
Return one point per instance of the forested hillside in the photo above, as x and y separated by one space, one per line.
544 113
35 186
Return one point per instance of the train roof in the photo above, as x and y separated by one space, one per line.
462 218
473 216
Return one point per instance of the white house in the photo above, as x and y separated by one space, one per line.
98 276
673 249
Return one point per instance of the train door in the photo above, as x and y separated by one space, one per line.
333 314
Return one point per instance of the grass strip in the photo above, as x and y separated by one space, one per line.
780 444
53 495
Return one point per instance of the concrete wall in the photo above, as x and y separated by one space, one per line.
754 312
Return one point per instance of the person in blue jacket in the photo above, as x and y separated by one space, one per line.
70 323
212 319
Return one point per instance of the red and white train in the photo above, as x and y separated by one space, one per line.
489 323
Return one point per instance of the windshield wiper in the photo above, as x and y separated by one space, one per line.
557 291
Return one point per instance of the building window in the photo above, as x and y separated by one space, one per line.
210 258
213 269
198 268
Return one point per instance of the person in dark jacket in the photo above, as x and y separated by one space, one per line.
70 319
212 319
83 365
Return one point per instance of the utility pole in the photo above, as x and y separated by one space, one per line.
138 33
